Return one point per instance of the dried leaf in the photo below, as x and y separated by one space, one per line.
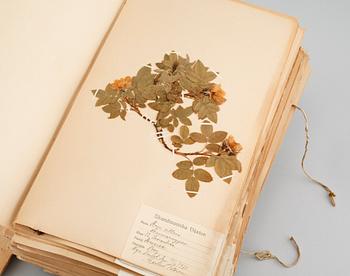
143 78
170 128
113 109
184 164
154 106
176 122
200 161
198 137
217 136
184 131
222 168
162 115
177 145
202 175
104 97
196 105
234 163
185 121
189 141
123 114
164 122
149 93
192 186
176 139
211 161
182 174
213 147
213 117
207 130
188 111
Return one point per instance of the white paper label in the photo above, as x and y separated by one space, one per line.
168 245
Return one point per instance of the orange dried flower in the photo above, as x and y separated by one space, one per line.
233 145
217 94
122 83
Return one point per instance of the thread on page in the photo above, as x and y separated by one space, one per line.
226 177
265 255
331 194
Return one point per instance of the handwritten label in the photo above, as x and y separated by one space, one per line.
168 245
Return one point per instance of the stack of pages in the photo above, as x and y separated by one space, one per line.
159 160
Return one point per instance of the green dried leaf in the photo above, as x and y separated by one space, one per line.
182 174
164 122
200 75
203 175
202 111
188 111
109 89
200 161
213 117
104 97
192 186
139 99
177 145
184 131
170 128
162 115
211 161
206 108
165 107
198 137
213 147
196 104
222 168
184 164
123 114
189 141
176 139
217 136
154 106
143 78
234 163
207 130
113 110
176 122
185 121
149 93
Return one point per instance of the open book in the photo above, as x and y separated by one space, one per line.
199 95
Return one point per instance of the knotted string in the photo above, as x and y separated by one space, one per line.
267 255
331 194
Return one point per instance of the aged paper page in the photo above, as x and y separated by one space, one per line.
100 172
46 47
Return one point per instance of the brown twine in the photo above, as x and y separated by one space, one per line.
267 255
331 194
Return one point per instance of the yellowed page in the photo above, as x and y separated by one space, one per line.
46 47
100 172
52 239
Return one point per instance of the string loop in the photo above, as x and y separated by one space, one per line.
331 194
267 255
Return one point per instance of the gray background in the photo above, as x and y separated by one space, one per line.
289 204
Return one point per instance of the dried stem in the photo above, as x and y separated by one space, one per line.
162 140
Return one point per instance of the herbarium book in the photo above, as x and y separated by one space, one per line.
158 161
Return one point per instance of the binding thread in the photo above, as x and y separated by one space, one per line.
265 255
331 194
